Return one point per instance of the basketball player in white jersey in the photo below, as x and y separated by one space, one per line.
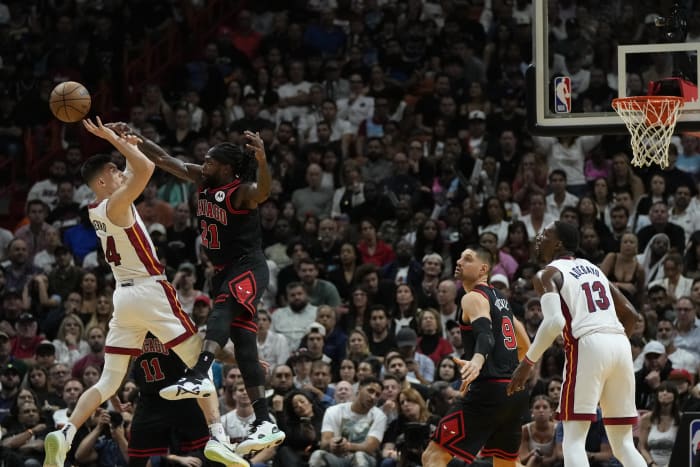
143 301
595 319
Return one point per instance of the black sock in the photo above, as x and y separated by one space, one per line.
203 363
261 411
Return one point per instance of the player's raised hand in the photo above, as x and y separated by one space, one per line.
255 144
105 132
121 128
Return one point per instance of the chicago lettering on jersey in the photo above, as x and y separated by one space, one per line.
208 209
580 270
151 345
99 225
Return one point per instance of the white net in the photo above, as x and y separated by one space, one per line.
651 121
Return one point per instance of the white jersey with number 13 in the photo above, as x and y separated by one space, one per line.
586 300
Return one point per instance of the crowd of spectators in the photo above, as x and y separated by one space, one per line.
396 135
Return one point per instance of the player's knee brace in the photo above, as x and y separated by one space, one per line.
218 325
112 375
247 357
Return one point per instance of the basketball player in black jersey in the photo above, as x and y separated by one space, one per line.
157 428
485 419
227 209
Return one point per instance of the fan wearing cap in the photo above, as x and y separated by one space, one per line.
27 338
594 318
10 377
233 180
492 337
655 369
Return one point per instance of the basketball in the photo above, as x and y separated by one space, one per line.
70 101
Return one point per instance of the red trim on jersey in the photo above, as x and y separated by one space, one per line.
245 324
122 351
575 417
481 292
139 241
194 444
231 209
94 205
178 340
465 327
619 420
450 432
177 308
566 405
230 184
147 452
496 380
499 453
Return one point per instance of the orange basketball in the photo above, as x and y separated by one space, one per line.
70 101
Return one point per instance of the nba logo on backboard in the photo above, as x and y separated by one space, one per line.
694 441
562 94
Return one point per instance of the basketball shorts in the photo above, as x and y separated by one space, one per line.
486 420
598 367
161 426
239 288
142 305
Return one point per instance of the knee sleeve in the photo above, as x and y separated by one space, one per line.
112 375
246 349
219 323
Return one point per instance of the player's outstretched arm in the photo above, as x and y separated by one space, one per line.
547 284
141 169
253 194
626 312
158 155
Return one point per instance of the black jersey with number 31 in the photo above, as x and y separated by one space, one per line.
156 367
503 359
227 233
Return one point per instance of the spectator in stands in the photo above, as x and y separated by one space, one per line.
18 268
45 259
372 248
320 291
302 421
71 393
335 339
658 215
653 256
681 359
27 439
312 199
96 354
272 346
431 342
655 370
81 239
675 283
152 210
293 320
688 337
27 338
363 439
10 378
69 344
658 428
47 190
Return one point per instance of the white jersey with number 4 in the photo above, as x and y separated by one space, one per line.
586 300
128 250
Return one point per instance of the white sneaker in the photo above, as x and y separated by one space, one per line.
261 436
223 453
188 387
55 447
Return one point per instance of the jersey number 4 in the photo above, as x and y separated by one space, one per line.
508 333
600 301
111 252
151 370
210 235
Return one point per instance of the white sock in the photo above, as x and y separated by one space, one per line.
69 429
216 430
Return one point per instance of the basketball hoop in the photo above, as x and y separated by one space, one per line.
650 120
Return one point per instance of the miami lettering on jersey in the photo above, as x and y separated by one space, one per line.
208 209
580 270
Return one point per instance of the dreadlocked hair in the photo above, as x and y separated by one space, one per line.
241 160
